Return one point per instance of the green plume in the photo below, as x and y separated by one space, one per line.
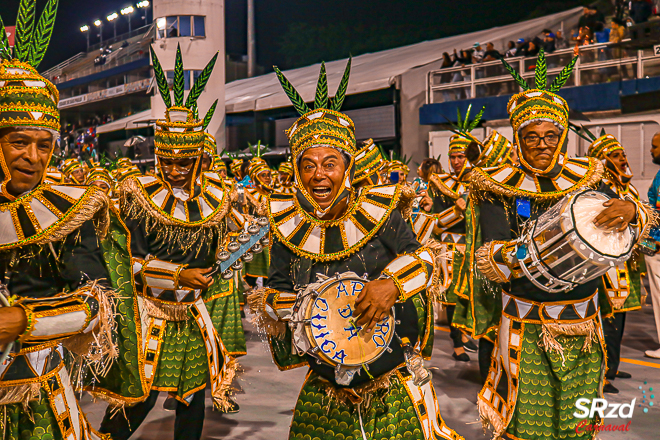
5 50
516 76
297 101
321 99
201 81
541 72
472 125
563 76
179 82
459 119
338 100
209 115
161 79
42 33
24 30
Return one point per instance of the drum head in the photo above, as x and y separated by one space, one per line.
609 242
331 329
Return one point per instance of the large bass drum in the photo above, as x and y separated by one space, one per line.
341 351
564 248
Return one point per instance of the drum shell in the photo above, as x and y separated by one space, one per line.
406 327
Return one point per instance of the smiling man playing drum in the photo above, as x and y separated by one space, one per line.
346 292
549 350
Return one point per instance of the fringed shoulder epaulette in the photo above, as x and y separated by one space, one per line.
510 181
332 240
49 213
150 198
448 185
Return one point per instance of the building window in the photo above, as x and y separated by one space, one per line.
180 26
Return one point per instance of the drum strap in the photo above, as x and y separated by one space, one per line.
304 275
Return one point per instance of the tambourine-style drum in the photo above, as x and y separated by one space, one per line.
331 329
564 248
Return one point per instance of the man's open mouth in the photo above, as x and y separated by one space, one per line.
322 191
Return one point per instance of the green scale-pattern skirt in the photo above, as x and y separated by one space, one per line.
37 423
391 415
548 388
258 267
225 314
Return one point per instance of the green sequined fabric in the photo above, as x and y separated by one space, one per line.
258 267
123 380
548 388
37 423
391 415
183 363
225 314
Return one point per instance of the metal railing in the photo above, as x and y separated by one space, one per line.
57 70
139 31
114 62
597 63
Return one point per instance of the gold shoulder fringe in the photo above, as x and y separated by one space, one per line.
440 186
436 291
481 182
261 319
96 351
485 265
22 394
134 201
260 207
406 200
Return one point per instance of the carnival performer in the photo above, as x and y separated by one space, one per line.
549 349
368 163
52 294
259 172
398 170
328 228
176 225
285 177
73 171
425 170
621 286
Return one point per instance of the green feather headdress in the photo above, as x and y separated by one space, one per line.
462 137
181 133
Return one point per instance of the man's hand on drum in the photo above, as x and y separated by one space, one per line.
13 323
375 302
618 215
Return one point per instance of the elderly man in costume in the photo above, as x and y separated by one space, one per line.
327 229
52 295
176 225
549 348
621 286
74 171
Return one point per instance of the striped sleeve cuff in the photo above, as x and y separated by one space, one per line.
279 305
410 272
646 218
449 217
235 220
159 274
497 261
423 226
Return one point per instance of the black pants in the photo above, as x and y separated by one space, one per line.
613 330
187 425
455 334
485 352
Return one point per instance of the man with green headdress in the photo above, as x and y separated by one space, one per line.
285 177
549 349
621 287
325 228
53 296
260 174
177 224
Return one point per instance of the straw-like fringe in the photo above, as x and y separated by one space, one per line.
406 200
440 186
363 394
437 291
550 332
94 205
20 394
261 319
225 390
654 219
481 182
490 419
261 208
96 350
485 265
169 312
617 303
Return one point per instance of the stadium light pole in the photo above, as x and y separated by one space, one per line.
113 18
99 24
128 11
144 4
85 30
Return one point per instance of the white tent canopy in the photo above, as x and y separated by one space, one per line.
127 123
375 71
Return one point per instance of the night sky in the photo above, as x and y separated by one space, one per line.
387 23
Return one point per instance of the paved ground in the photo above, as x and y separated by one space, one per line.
268 396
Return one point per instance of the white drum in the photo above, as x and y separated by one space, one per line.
564 248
